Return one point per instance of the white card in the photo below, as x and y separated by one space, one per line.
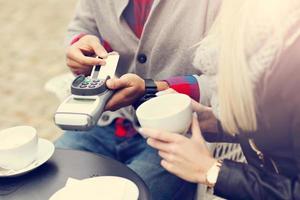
111 66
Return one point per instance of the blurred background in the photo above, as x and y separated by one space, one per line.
31 53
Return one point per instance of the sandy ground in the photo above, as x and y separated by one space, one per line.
31 53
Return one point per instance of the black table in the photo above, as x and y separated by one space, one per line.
44 181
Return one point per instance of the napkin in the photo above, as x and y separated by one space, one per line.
105 187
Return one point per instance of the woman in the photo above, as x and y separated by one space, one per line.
251 57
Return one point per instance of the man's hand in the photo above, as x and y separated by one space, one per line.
78 55
130 88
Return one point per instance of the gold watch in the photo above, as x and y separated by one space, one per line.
213 173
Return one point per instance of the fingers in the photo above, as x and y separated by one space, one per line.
169 167
75 65
79 54
120 98
117 83
93 42
99 49
75 54
159 145
167 156
160 135
129 88
197 107
196 131
78 68
117 101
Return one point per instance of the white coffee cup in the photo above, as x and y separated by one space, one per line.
170 112
18 147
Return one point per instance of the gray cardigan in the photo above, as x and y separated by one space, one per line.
171 33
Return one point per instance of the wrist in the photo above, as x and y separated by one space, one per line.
148 91
203 167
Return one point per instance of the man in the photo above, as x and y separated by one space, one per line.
156 39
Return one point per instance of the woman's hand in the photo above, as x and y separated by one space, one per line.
207 120
188 158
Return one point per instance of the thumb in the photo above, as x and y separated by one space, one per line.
196 131
199 108
116 83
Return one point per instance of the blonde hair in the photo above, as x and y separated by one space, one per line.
236 98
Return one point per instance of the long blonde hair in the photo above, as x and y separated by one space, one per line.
236 98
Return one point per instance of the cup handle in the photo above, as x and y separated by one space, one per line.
138 127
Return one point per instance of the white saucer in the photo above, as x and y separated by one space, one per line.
45 151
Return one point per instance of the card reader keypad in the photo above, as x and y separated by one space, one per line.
90 83
86 86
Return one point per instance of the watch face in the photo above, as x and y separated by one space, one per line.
212 175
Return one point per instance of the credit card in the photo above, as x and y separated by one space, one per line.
109 69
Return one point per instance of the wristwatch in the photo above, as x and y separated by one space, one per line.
150 91
213 173
150 87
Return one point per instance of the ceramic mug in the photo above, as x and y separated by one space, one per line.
169 112
18 147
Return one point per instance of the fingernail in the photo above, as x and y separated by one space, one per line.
149 141
141 130
109 83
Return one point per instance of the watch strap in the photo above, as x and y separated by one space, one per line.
150 86
150 91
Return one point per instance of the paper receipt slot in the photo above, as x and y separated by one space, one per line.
82 110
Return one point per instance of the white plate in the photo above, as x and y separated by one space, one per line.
103 187
45 151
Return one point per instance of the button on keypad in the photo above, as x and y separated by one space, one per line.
89 83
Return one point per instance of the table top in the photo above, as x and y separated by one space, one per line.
43 182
